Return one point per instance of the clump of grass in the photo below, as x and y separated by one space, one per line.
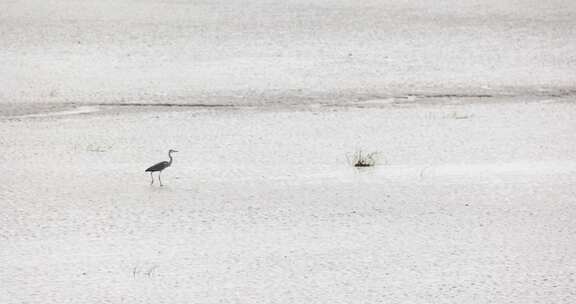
458 115
361 159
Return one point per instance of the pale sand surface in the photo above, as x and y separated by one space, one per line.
469 102
472 203
264 51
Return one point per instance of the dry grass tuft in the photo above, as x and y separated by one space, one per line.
361 159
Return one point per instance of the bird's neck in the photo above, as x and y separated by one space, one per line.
170 156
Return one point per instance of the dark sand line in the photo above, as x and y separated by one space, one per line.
37 110
140 104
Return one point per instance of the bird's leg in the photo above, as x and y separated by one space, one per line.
152 177
160 179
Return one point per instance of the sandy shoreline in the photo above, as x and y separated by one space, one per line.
472 203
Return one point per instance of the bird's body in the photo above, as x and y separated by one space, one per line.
160 166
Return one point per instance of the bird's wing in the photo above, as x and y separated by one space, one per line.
159 166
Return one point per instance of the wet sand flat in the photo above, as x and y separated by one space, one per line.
470 203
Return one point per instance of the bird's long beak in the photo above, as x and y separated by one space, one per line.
174 151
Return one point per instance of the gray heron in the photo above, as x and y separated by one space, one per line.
160 166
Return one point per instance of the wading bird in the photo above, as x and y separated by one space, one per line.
160 166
